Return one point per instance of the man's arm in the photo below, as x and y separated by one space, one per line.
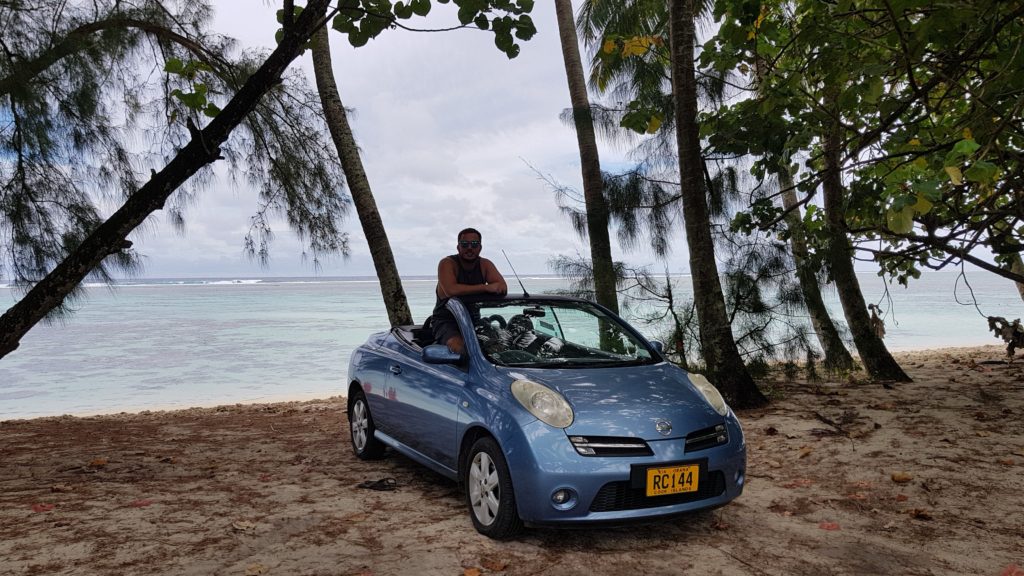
449 287
493 277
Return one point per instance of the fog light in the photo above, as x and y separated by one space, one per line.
739 476
563 499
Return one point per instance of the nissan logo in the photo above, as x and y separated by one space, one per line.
664 427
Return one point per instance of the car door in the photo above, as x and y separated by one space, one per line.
426 406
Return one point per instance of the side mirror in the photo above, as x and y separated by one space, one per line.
658 346
440 354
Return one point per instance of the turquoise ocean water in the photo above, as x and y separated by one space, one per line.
172 343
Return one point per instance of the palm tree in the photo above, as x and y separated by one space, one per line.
596 207
719 348
358 184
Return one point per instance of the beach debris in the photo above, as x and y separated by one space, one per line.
255 569
901 477
1011 332
829 526
41 507
471 572
243 526
98 462
62 488
493 564
384 484
1012 570
805 451
919 514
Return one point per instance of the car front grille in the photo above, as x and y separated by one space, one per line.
610 446
707 438
615 496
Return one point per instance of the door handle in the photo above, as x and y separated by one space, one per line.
396 369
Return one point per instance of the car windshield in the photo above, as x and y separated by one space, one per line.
554 334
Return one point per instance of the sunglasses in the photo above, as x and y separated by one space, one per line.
469 243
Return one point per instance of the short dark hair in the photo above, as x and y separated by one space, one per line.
469 231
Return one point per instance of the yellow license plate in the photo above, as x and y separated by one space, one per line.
672 480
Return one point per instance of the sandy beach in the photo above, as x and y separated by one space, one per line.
846 477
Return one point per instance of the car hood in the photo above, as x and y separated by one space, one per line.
627 401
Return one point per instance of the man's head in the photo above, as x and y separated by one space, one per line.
469 244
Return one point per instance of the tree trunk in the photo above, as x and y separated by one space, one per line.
359 186
837 357
593 185
876 357
204 148
725 365
1017 267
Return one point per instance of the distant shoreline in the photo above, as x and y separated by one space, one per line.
979 354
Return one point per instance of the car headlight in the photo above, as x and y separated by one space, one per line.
711 394
547 405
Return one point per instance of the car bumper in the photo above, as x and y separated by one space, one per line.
605 488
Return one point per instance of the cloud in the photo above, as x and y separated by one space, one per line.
451 132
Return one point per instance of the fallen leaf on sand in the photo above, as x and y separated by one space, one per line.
140 503
805 451
1007 462
830 526
61 488
1012 570
493 565
857 496
40 507
799 483
243 526
255 570
98 462
901 477
902 497
471 572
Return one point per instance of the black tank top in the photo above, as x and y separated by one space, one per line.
472 276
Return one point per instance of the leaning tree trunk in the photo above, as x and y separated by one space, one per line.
725 365
837 357
359 186
1017 267
204 148
593 185
876 357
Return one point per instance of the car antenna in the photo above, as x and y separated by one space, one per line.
525 293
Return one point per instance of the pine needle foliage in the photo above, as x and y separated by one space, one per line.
94 96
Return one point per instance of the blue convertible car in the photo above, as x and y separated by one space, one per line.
558 413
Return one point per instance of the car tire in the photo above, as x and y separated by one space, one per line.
489 493
361 428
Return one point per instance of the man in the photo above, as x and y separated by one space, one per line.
462 274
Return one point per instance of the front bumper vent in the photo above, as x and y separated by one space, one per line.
610 446
707 438
615 496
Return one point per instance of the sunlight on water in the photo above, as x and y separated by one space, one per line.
175 343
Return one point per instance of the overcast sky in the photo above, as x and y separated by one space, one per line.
449 128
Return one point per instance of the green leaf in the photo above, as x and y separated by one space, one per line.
421 7
466 14
982 172
211 110
482 22
174 66
900 221
343 24
358 39
966 147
